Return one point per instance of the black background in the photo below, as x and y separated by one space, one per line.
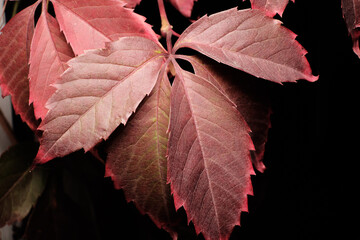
307 189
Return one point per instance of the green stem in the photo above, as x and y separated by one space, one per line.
15 9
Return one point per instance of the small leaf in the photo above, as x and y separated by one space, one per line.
271 7
351 13
89 24
137 157
250 96
19 186
100 90
48 57
15 41
184 6
249 41
209 163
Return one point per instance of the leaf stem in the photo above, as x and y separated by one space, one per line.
7 129
166 28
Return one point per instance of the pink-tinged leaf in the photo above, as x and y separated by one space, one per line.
209 162
351 13
49 53
250 41
15 41
88 24
251 99
137 156
100 90
131 3
271 7
184 6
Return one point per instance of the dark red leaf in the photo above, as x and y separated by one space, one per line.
249 41
137 157
351 12
15 42
209 163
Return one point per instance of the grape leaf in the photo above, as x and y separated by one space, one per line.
271 7
19 187
88 24
251 99
351 13
48 57
100 90
209 163
15 41
249 41
137 156
184 6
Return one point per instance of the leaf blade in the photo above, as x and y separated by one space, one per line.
48 48
19 187
250 97
184 6
351 14
101 90
205 174
88 24
270 7
14 52
137 161
251 42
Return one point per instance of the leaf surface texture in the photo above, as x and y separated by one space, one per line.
100 90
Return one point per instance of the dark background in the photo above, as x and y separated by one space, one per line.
307 189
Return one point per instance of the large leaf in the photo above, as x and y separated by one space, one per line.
249 41
88 24
137 156
209 163
19 186
351 12
271 7
15 41
49 53
101 90
184 6
250 96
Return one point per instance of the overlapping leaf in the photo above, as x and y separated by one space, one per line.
88 24
271 7
351 12
249 41
15 42
101 90
209 163
184 6
251 99
137 156
19 187
48 57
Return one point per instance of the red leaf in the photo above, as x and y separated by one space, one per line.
49 53
351 13
184 6
249 41
131 3
137 156
251 99
14 56
209 164
99 91
88 24
271 7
